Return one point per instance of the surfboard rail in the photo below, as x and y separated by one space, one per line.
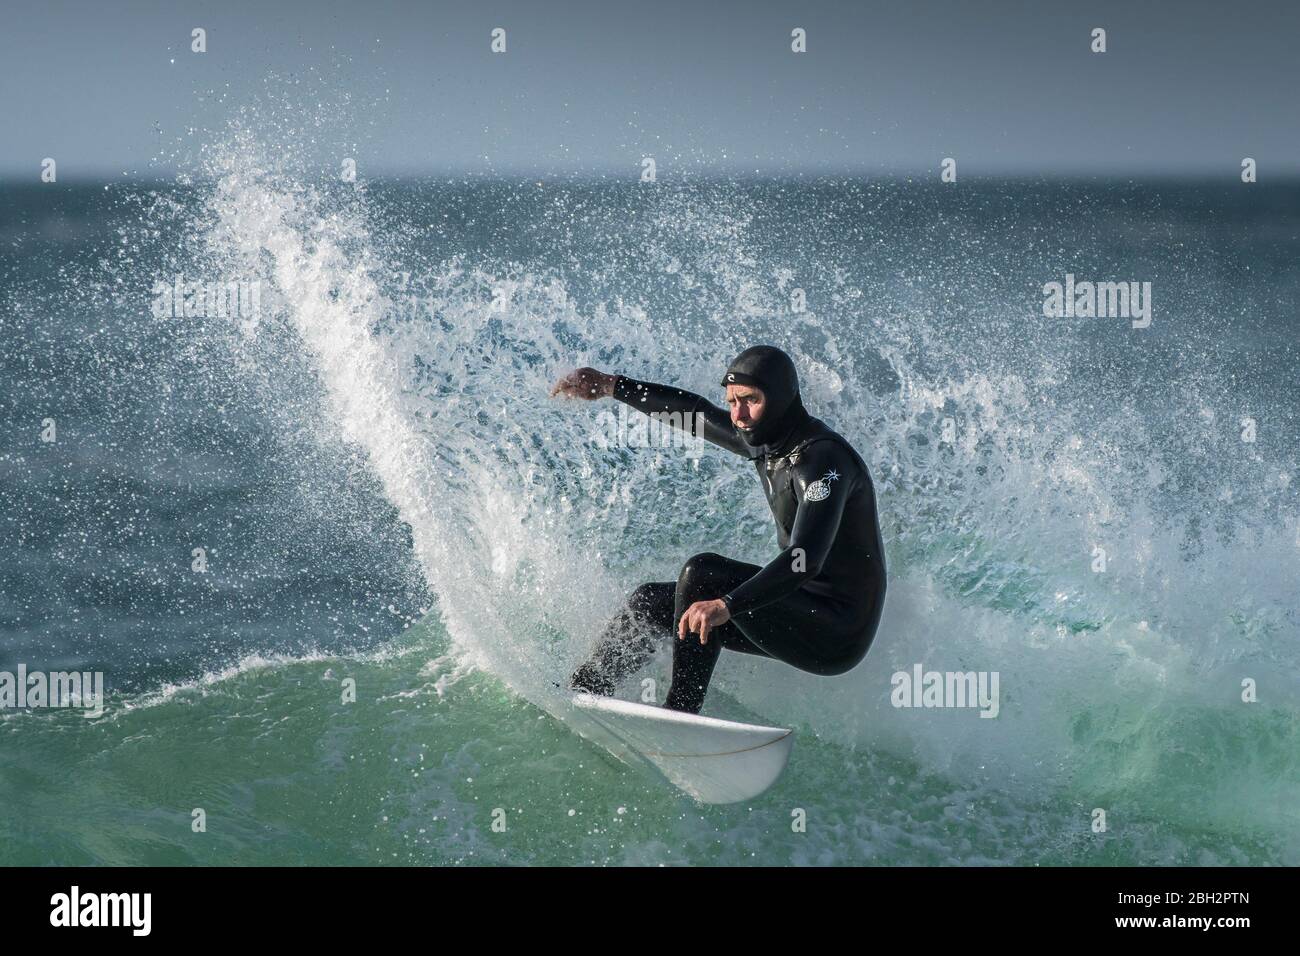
712 760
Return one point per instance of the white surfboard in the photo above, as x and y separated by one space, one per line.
715 761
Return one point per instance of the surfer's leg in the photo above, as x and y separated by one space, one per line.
629 640
802 630
703 578
816 634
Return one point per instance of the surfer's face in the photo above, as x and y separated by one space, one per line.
747 404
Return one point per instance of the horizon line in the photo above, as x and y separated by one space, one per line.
9 177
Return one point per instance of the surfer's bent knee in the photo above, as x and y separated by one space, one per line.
700 565
641 599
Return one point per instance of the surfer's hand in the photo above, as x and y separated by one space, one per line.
702 617
585 383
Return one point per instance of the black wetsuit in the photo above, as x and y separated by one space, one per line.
815 606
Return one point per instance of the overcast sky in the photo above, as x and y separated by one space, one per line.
1004 86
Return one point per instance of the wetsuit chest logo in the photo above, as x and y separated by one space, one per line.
820 489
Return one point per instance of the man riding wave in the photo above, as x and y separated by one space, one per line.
816 605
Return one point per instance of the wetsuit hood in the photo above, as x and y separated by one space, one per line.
767 368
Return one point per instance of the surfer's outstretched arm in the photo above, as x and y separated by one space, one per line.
681 409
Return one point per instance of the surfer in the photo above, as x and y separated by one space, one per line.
816 605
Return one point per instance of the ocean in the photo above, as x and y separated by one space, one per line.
358 485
